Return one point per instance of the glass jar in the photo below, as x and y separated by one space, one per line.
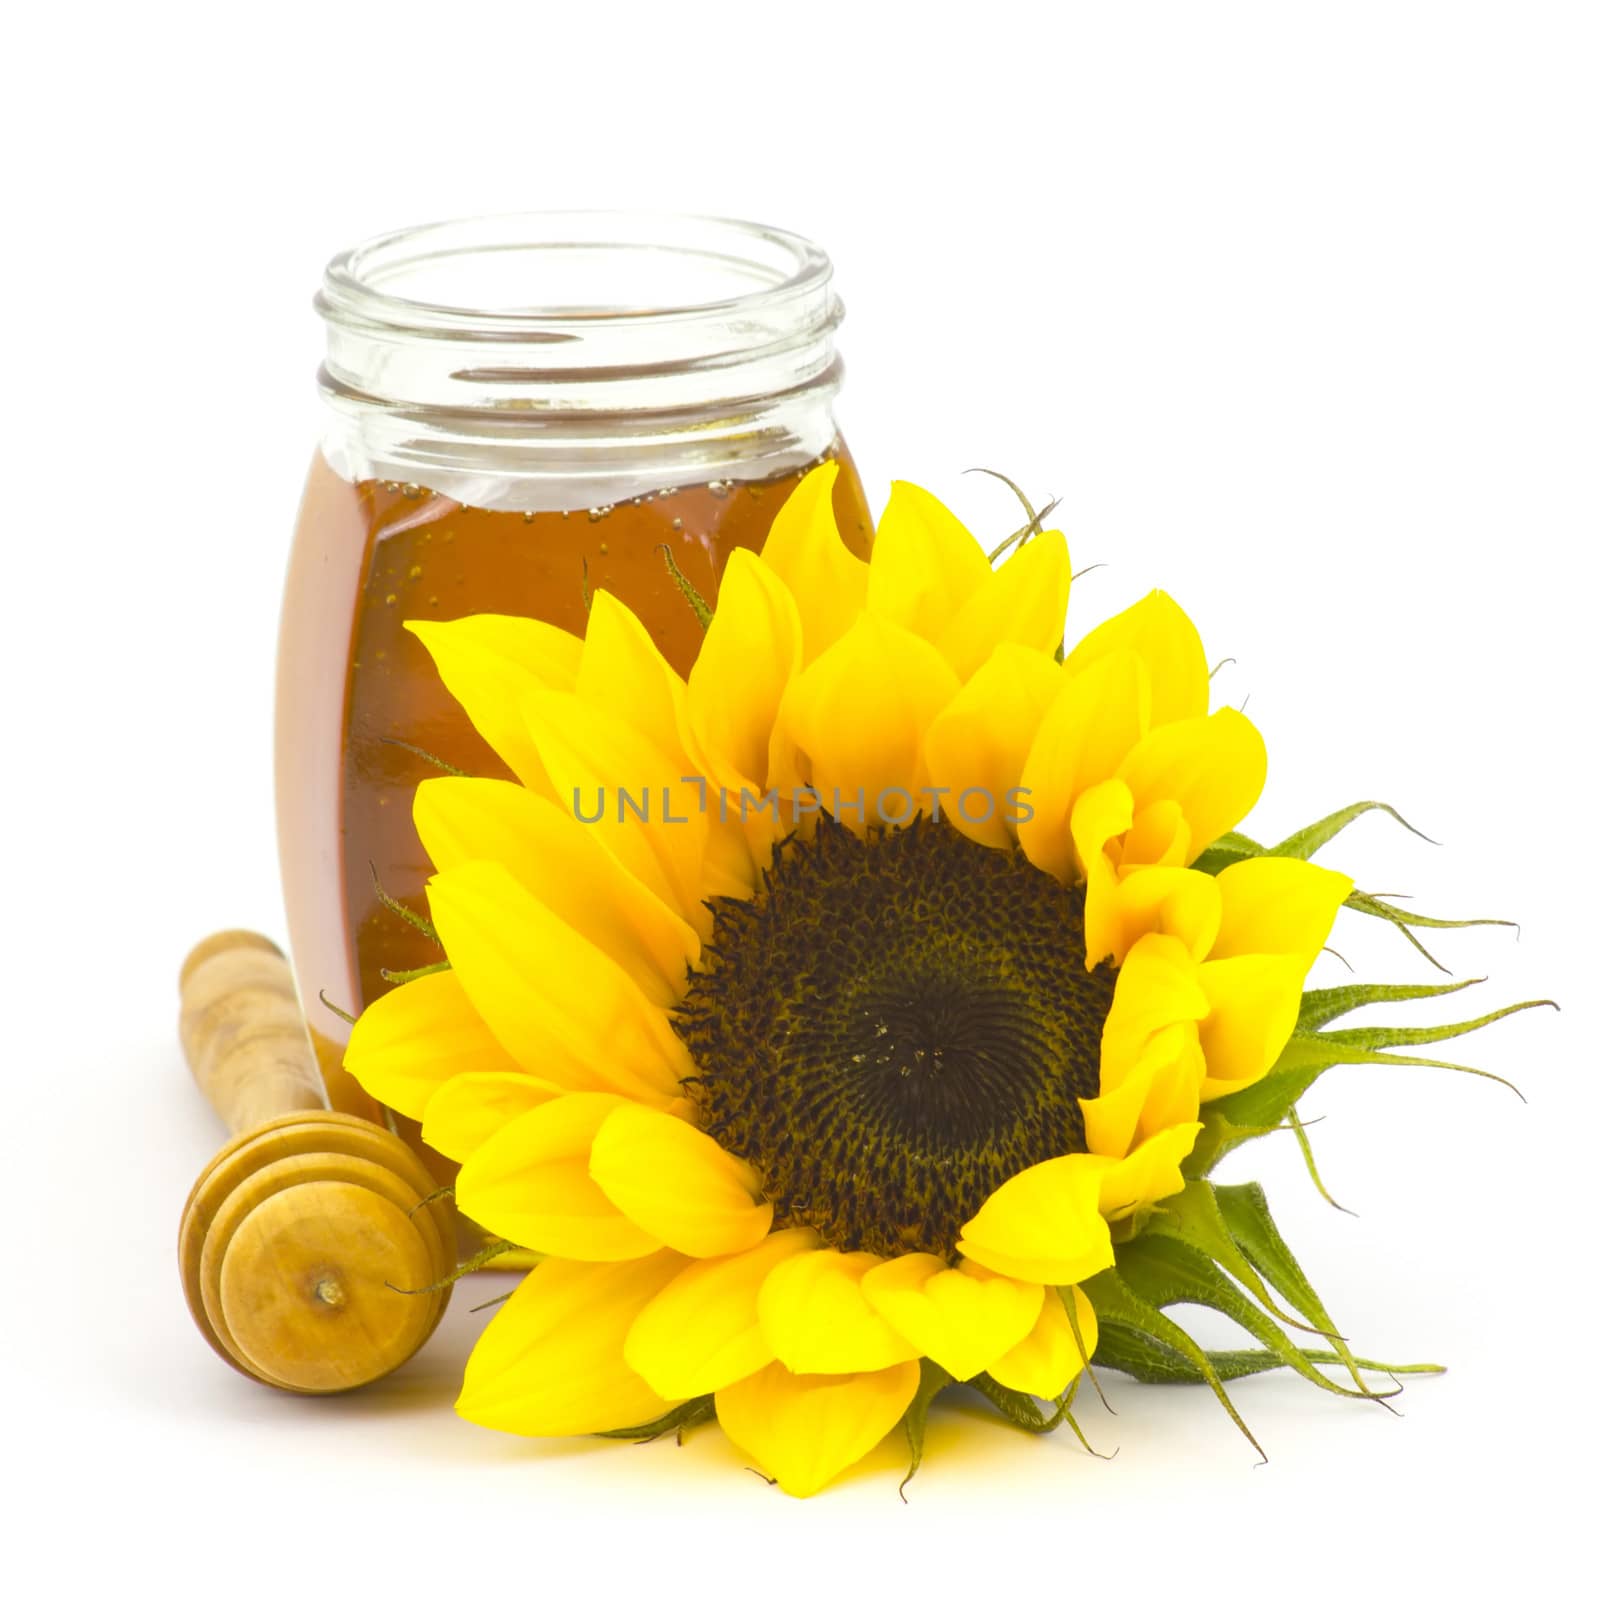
521 409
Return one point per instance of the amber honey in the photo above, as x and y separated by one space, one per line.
361 711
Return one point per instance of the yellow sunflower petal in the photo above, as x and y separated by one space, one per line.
1157 631
1152 1171
1162 1089
1276 906
804 1431
1097 718
562 1008
816 1318
563 865
701 1333
976 746
1173 900
1044 1225
1158 987
1111 1118
1214 767
750 652
1102 922
628 791
925 565
1050 1357
470 1109
1023 602
1121 909
1253 1001
418 1036
1159 837
488 663
858 714
550 1363
734 854
963 1317
529 1182
829 584
678 1183
622 671
1100 814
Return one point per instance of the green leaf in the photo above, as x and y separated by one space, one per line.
1126 1350
425 755
1068 1297
414 919
1377 906
698 604
1066 1407
1225 851
1307 1056
1034 524
1308 841
1140 1355
1374 906
1220 1133
934 1378
1195 1218
410 975
474 1263
1116 1303
1388 1038
1263 1106
1302 1139
338 1011
1304 844
1250 1222
1319 1007
1164 1271
680 1418
1019 1409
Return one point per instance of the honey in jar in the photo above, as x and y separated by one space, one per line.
523 410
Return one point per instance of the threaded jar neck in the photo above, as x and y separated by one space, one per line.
580 341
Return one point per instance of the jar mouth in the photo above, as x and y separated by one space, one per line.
558 277
565 345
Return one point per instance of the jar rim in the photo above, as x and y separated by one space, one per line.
780 266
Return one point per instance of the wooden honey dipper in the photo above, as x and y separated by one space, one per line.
298 1235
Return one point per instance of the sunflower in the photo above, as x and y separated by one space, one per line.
835 1024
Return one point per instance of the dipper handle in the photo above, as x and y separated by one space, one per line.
312 1252
242 1031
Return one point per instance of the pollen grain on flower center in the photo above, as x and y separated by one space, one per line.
893 1027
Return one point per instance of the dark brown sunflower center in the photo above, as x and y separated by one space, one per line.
892 1028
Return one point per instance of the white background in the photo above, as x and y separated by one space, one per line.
1293 305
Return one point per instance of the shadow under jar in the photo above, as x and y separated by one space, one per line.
522 410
